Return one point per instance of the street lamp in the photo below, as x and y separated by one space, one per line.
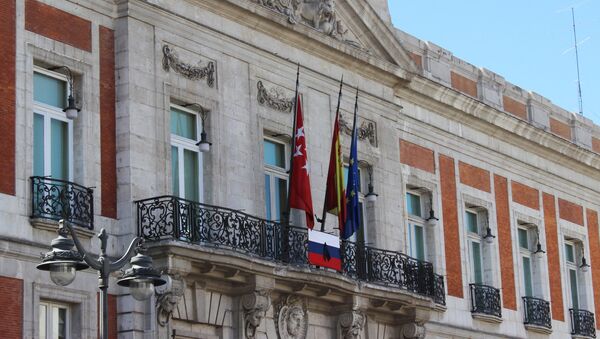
203 144
71 110
63 262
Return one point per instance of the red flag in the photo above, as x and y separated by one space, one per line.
300 196
335 198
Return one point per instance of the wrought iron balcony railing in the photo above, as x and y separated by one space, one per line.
537 312
169 217
485 300
59 199
582 323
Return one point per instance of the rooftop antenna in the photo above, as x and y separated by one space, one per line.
577 60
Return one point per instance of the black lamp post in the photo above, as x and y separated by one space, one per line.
63 262
584 265
539 252
203 144
71 110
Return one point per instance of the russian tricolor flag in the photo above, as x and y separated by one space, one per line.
324 250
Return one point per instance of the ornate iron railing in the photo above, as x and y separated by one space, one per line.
169 217
582 323
537 312
59 199
485 300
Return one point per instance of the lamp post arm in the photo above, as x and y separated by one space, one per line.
90 259
125 258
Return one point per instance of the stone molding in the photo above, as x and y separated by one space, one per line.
255 306
274 98
352 324
292 318
366 129
171 61
413 331
168 298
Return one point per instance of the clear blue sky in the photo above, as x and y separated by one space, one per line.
528 42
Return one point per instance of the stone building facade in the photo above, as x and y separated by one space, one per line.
511 180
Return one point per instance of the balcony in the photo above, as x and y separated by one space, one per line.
537 315
485 302
172 218
54 199
582 323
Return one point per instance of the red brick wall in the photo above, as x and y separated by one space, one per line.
451 233
507 269
560 128
596 145
525 195
463 84
112 316
417 59
594 237
11 299
570 211
108 141
7 96
515 107
417 156
552 253
58 25
474 176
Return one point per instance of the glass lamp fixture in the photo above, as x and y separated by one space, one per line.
71 110
539 252
141 278
432 221
371 196
203 144
584 265
62 261
489 237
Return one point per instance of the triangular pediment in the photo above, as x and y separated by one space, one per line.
352 22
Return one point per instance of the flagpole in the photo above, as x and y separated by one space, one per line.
337 112
291 167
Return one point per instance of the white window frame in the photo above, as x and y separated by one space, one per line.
182 144
572 266
477 238
50 112
527 252
276 172
49 321
417 220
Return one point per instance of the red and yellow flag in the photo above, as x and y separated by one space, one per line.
335 196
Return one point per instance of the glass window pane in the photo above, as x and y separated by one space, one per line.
175 170
268 195
59 136
190 170
413 204
49 90
274 154
62 323
54 325
569 253
527 277
280 197
476 259
574 293
42 318
38 144
472 222
419 242
183 124
523 238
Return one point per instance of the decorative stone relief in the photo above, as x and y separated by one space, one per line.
413 331
352 324
274 98
189 71
366 129
255 306
292 318
318 14
168 298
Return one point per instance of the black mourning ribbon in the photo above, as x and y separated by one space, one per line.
326 254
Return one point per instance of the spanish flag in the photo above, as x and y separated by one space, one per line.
335 196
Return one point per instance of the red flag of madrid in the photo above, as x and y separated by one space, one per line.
300 197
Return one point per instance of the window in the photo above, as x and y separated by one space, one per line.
474 229
573 279
415 207
276 178
52 131
186 160
54 321
525 250
361 234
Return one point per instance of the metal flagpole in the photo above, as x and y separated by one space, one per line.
337 112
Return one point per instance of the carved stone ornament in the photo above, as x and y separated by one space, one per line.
366 130
255 306
352 324
318 14
292 318
168 298
274 98
189 71
413 331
